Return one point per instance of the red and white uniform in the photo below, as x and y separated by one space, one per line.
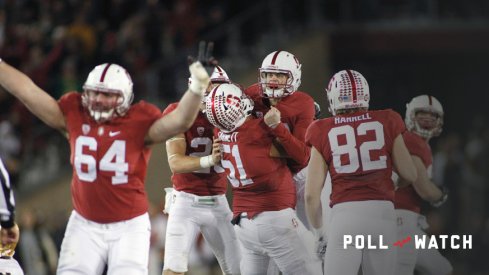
205 182
297 113
264 198
200 206
411 222
357 148
110 221
109 161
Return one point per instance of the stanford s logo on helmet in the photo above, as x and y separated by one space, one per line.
347 89
285 63
112 79
428 104
227 107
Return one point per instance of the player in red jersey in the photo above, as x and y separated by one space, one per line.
264 194
358 147
424 120
287 112
198 202
109 141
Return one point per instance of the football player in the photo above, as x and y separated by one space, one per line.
264 194
424 120
287 112
198 201
109 141
358 147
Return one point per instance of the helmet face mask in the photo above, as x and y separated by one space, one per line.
280 63
424 116
347 89
227 107
102 83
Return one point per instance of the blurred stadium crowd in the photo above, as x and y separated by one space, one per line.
57 42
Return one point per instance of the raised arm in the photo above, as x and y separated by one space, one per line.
402 160
316 176
184 115
181 163
40 103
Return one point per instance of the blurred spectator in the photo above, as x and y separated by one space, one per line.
37 251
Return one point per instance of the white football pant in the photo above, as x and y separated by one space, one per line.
88 246
426 261
210 215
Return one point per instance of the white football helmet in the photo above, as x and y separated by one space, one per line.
227 107
347 89
219 76
428 104
280 62
108 78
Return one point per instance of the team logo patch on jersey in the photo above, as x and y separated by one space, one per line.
85 129
200 131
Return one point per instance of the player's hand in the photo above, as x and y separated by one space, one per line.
9 238
199 79
272 117
443 199
317 110
216 151
204 55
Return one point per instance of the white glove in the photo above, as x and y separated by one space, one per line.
199 79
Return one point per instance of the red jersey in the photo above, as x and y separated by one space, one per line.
406 197
297 113
357 148
204 182
109 160
260 182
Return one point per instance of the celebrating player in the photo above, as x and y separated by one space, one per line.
424 120
198 202
109 141
264 193
358 147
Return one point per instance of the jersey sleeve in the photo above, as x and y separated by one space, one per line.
397 124
415 145
68 101
313 138
294 143
170 108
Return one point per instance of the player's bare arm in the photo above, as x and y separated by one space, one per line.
184 115
316 177
39 102
181 163
425 188
402 160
